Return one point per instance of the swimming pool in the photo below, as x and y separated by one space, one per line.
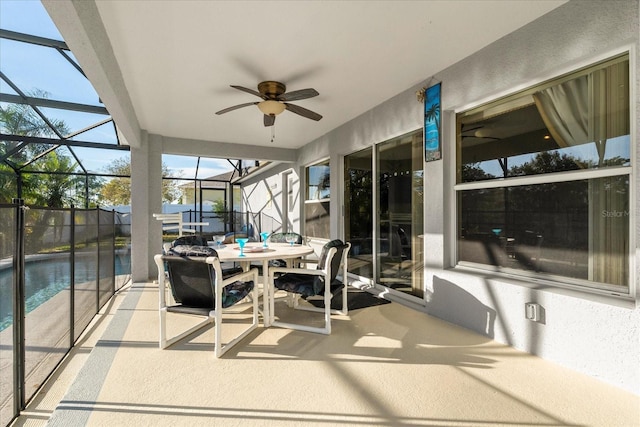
46 277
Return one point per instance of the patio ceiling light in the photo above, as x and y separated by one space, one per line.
271 108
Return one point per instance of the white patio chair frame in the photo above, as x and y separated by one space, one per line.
216 314
293 298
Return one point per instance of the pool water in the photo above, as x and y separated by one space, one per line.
44 279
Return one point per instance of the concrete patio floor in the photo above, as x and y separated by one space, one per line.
386 365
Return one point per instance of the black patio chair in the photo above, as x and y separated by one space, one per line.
316 283
186 243
282 238
199 289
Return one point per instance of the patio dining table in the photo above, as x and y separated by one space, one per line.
255 251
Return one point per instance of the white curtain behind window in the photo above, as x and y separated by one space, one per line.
590 109
565 111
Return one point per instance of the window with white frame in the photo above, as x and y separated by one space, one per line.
316 206
543 180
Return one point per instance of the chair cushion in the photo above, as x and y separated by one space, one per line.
308 285
190 241
192 250
231 294
236 291
277 263
296 283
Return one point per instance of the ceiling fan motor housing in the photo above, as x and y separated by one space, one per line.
271 89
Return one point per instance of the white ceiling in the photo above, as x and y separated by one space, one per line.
178 58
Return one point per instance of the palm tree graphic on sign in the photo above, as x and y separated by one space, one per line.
432 118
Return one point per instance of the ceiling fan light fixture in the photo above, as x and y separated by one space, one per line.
271 107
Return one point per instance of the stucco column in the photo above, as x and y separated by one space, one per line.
438 213
146 199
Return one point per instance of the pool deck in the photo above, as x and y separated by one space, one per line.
377 368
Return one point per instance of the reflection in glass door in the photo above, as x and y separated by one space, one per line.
399 174
358 190
392 255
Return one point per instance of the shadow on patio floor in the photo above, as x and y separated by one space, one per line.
385 365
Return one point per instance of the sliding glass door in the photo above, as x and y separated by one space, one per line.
359 223
400 220
387 246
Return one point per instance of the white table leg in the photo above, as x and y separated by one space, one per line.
267 294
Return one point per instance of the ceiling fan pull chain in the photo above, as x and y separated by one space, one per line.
273 133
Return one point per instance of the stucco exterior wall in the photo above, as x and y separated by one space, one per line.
266 193
594 334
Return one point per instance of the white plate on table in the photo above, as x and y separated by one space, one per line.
249 249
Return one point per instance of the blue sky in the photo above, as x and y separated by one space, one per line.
615 147
33 67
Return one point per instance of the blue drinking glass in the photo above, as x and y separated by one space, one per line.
264 235
241 243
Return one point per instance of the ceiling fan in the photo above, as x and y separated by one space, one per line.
479 132
276 100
